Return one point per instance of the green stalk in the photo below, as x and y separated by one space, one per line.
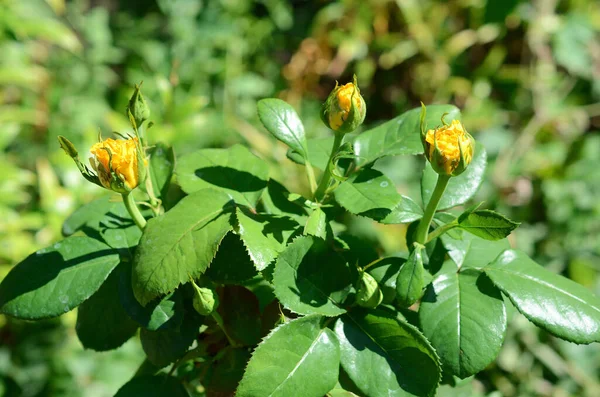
134 210
326 178
441 230
438 192
310 173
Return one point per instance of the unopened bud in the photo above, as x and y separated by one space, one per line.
119 164
369 294
345 109
449 148
205 300
137 107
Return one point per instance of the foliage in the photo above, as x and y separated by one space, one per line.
522 74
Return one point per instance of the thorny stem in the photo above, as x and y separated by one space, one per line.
134 210
326 178
438 192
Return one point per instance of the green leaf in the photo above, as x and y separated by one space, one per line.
106 219
162 163
488 225
264 236
386 356
385 272
90 213
240 313
180 244
460 188
464 317
276 201
231 265
165 346
282 121
368 192
56 279
226 371
234 170
316 225
556 304
153 386
102 322
159 314
411 279
472 251
406 211
299 355
301 283
400 135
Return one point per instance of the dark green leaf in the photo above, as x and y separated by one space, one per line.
301 283
463 316
400 135
165 346
180 244
225 373
368 192
554 303
385 356
102 322
92 212
162 163
240 313
406 211
282 121
472 251
276 201
234 170
56 279
297 356
159 314
106 219
488 225
385 271
264 236
316 225
460 188
153 386
231 265
411 279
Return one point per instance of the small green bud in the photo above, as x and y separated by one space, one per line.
67 146
205 300
369 294
345 109
137 107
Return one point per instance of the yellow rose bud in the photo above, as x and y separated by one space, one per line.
118 163
449 148
345 108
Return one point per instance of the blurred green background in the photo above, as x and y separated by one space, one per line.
525 73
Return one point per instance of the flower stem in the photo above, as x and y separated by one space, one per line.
441 230
438 192
310 173
326 178
134 211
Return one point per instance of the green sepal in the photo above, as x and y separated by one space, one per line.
70 150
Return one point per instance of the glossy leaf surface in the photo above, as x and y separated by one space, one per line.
297 356
554 303
56 279
385 356
180 244
301 284
464 317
